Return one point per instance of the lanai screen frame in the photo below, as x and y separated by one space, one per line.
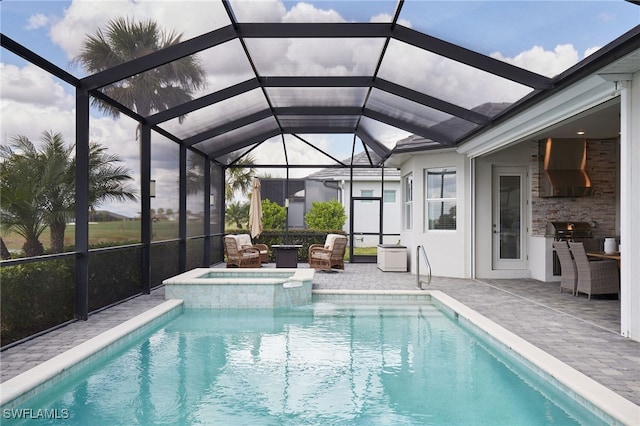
90 87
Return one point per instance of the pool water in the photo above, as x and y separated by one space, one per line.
318 364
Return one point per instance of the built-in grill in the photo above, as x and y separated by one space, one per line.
570 231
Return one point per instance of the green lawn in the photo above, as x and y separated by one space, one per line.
109 232
129 231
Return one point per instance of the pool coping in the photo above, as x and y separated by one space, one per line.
605 402
193 276
247 288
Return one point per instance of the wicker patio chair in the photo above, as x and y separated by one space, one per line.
239 257
330 255
245 241
595 277
569 279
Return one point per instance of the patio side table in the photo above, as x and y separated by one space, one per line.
286 255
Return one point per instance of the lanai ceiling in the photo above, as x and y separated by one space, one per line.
380 80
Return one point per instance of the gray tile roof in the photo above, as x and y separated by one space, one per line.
454 126
333 173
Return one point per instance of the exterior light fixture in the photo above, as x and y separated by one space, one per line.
152 188
580 132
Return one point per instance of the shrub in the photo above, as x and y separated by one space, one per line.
273 215
35 297
326 215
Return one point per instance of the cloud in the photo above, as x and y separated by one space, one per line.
31 120
37 21
305 12
32 85
607 17
386 18
191 18
32 102
591 50
446 79
545 62
258 10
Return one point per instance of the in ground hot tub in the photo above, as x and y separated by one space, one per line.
241 288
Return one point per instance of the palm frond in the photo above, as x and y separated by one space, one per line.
155 90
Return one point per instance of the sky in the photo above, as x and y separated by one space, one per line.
546 37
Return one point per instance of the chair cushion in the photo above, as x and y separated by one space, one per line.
250 254
331 238
244 239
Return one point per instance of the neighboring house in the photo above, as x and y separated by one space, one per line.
483 209
367 183
298 194
335 184
106 216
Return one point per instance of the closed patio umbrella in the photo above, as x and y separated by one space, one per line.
255 210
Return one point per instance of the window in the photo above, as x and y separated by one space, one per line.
441 198
408 201
389 195
366 193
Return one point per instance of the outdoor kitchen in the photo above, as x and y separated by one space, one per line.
574 194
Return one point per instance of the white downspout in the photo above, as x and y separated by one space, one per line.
472 227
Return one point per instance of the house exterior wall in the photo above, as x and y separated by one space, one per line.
319 191
448 251
367 214
615 210
602 209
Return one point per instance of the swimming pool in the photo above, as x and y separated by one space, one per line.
364 363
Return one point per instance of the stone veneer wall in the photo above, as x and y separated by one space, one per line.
602 160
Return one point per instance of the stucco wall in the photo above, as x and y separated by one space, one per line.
448 251
367 217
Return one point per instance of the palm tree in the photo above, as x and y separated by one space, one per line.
237 213
4 251
58 183
195 174
47 182
239 178
155 90
21 207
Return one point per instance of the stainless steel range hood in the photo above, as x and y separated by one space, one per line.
562 167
